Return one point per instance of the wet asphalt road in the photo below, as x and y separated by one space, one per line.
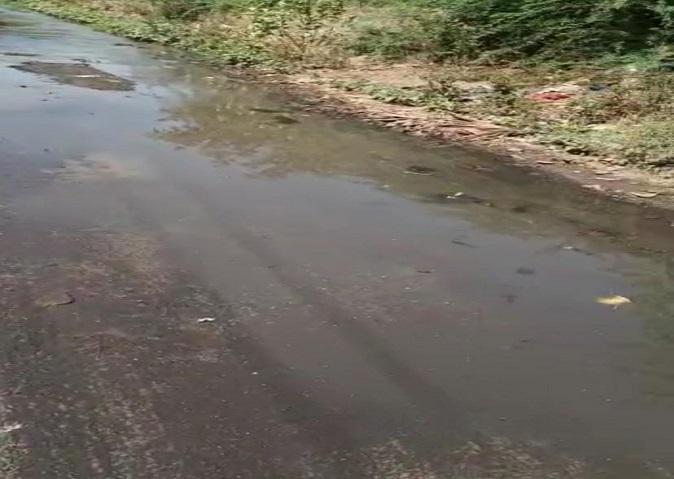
367 321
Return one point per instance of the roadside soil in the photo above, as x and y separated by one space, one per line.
317 90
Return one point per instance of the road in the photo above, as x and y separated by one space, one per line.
200 280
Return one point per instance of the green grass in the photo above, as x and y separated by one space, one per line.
629 121
208 46
10 455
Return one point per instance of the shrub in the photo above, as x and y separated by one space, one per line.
182 9
561 28
304 30
396 32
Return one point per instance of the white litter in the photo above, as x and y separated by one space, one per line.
7 428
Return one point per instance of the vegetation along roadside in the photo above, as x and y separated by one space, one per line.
589 82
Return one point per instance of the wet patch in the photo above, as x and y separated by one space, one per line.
20 54
285 120
77 74
97 167
13 22
269 110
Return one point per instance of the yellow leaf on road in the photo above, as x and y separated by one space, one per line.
644 194
614 301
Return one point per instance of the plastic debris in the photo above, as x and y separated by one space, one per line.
7 428
206 320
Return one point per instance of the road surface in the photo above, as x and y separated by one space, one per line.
200 280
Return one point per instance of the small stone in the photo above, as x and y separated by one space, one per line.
56 298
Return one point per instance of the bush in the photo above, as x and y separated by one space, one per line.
396 32
192 9
513 29
182 9
304 30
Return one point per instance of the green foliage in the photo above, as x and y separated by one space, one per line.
649 94
456 30
519 29
646 142
182 9
301 30
570 29
395 32
649 142
189 10
205 44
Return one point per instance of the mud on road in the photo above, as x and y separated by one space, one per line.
200 280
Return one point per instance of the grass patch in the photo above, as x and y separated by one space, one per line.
10 455
204 42
615 114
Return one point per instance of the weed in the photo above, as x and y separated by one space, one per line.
401 31
631 97
10 454
299 30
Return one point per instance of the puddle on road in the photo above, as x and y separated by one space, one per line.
392 302
77 74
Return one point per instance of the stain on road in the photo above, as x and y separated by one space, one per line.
78 74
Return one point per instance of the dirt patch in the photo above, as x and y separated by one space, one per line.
77 74
401 75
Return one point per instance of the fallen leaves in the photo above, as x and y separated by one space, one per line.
595 187
615 301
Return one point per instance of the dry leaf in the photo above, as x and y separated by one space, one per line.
614 301
594 187
644 194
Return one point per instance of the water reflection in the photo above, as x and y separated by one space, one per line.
234 123
238 124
